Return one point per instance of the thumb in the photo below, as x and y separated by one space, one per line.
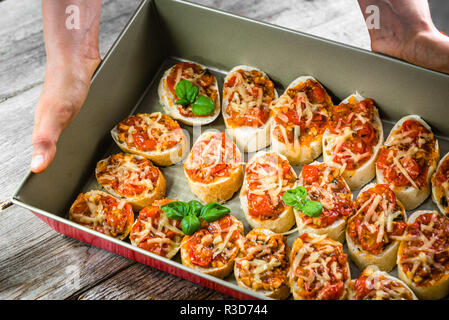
50 120
43 153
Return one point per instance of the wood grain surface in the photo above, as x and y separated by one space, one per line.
35 261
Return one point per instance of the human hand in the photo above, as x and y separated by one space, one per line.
65 89
72 57
408 33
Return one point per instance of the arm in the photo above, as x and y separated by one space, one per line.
407 32
72 57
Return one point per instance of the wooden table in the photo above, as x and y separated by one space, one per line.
35 261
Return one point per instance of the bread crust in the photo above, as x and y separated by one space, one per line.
374 271
220 272
167 100
361 176
298 154
434 292
411 197
248 139
221 189
281 224
164 158
386 260
141 201
435 193
279 293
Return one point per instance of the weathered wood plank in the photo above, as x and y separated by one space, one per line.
38 263
142 282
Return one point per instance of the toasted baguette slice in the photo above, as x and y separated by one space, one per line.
89 210
366 171
218 238
168 98
386 259
306 145
309 261
335 231
264 253
166 241
435 289
124 170
161 156
213 188
379 285
285 219
440 189
410 196
255 135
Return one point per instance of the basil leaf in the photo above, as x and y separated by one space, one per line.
213 211
182 88
203 106
195 207
183 102
295 197
190 224
312 208
192 93
176 210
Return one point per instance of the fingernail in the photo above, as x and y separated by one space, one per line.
37 162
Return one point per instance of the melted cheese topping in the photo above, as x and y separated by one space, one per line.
425 250
313 265
121 172
208 153
378 285
267 177
159 127
154 232
264 262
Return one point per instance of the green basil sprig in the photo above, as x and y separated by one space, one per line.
297 198
192 212
187 93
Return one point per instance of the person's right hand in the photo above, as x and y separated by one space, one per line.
65 89
408 33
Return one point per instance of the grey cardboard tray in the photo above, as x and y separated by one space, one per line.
163 32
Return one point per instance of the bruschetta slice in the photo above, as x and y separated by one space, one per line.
319 269
374 284
214 168
267 176
353 140
423 259
214 248
263 264
247 97
325 185
131 177
155 232
104 213
408 159
440 185
373 232
200 77
301 115
154 136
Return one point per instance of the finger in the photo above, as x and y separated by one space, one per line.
50 120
